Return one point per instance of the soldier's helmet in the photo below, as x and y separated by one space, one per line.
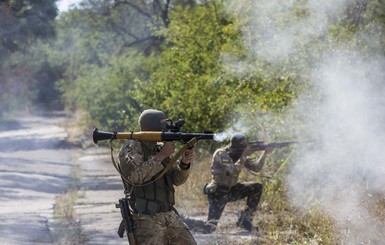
149 120
238 141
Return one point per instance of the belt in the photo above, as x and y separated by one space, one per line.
149 207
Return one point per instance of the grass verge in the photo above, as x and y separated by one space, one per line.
67 227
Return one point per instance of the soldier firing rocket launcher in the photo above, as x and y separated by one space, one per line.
173 134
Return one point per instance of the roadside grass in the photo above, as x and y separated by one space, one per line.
78 129
67 228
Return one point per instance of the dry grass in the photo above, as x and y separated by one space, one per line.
77 127
67 228
281 223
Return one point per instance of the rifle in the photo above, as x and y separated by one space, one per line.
174 134
261 146
127 223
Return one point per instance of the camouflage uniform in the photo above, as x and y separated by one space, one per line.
225 187
152 205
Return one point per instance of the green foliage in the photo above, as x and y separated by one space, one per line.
178 78
21 24
108 94
188 80
193 76
103 64
197 75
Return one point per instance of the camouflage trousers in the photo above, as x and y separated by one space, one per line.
161 229
252 191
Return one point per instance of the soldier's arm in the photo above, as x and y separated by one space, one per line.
180 174
256 165
182 168
133 165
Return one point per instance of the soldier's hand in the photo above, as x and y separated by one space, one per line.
269 150
188 156
247 152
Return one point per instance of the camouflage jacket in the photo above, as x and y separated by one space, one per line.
137 170
225 172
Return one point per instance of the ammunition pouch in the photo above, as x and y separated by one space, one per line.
150 207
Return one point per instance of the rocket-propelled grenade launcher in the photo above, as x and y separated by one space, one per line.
149 136
173 134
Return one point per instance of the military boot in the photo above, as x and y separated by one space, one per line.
210 226
245 222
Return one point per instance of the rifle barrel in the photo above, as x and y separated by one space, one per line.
260 145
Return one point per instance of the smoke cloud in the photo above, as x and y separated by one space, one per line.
343 173
276 35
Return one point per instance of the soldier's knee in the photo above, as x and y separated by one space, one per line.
257 187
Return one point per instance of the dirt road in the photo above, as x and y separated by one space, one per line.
35 163
99 189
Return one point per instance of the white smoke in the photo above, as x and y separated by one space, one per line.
275 34
344 172
253 123
239 127
346 168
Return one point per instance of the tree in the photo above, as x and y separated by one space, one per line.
200 76
97 38
123 24
187 79
21 24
